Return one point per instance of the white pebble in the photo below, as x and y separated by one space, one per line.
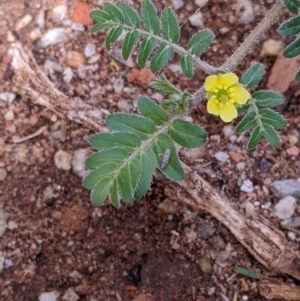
89 50
59 13
62 160
49 296
221 156
247 186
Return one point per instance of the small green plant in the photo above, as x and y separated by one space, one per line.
126 158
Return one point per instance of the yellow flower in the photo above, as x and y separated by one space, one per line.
224 94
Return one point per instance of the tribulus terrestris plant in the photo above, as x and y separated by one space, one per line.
126 158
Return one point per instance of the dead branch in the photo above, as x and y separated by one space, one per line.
264 242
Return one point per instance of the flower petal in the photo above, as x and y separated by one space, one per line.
213 107
228 112
228 79
241 95
211 83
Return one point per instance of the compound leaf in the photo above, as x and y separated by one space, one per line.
200 41
148 161
271 135
152 111
292 5
169 25
131 18
150 17
187 134
100 16
272 118
116 155
161 57
247 123
253 75
267 98
128 43
109 140
125 184
292 49
101 191
99 173
290 27
113 11
186 63
145 50
255 137
112 36
173 169
138 125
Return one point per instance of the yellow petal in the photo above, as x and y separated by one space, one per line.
228 79
213 107
211 83
241 95
228 112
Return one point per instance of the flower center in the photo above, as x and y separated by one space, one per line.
224 94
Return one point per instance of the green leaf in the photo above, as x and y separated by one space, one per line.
187 134
290 27
112 36
292 49
161 57
200 41
267 98
186 63
169 25
150 17
247 123
113 12
272 118
135 170
131 18
292 5
101 191
100 16
246 272
173 169
271 135
163 86
114 194
124 184
145 50
253 75
148 161
243 109
255 137
116 155
99 27
297 76
109 140
99 173
152 111
128 43
140 126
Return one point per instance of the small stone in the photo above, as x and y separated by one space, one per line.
49 296
271 48
10 37
204 265
75 58
59 135
81 71
124 105
81 13
51 37
284 188
247 186
293 222
77 27
12 225
223 256
118 84
40 19
3 221
244 12
62 160
75 274
68 75
221 156
249 209
7 96
25 20
59 13
3 174
89 50
196 20
9 115
52 65
167 206
237 157
285 207
177 4
190 234
228 130
78 162
293 151
35 34
293 139
200 2
70 295
241 166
